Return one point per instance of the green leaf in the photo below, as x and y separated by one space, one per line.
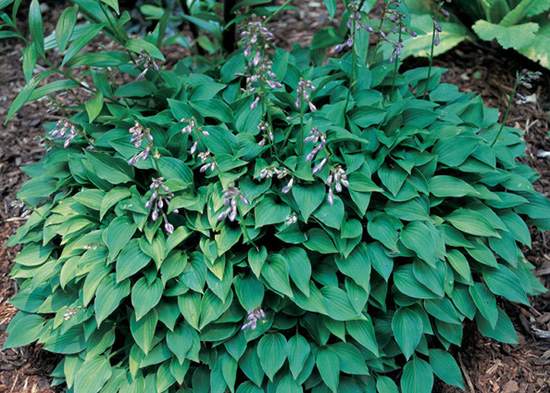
460 264
503 282
272 352
86 35
268 212
36 27
145 296
449 186
386 385
363 332
118 234
298 352
143 331
276 274
130 260
356 266
502 331
250 292
111 169
94 106
517 37
485 302
404 279
113 4
299 268
385 229
446 368
139 45
408 330
471 222
328 364
174 169
539 50
308 198
108 297
180 341
331 7
64 27
24 329
425 240
92 375
22 98
331 215
417 377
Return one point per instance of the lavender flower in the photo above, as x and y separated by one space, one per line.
336 181
230 198
303 94
291 219
140 134
207 160
267 133
252 319
65 131
158 201
319 139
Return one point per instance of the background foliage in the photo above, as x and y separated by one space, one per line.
267 221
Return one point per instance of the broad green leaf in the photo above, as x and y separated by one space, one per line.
502 331
503 282
23 329
407 328
87 35
446 368
308 198
250 292
298 352
363 332
517 36
180 341
268 212
94 106
108 297
417 377
118 234
425 240
143 331
448 186
299 268
92 375
328 365
485 302
471 222
145 296
130 260
272 352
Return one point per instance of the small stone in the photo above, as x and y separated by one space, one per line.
511 387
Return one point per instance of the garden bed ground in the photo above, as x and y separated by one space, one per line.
488 367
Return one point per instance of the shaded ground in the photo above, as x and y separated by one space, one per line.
488 367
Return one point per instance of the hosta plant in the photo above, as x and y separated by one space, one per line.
267 223
522 25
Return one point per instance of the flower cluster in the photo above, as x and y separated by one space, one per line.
140 134
319 139
336 181
267 133
190 126
252 319
230 198
207 160
303 94
256 39
158 201
64 130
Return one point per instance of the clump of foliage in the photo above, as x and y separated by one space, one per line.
522 25
265 223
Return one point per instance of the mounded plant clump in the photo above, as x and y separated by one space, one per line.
271 224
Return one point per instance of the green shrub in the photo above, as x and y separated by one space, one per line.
269 223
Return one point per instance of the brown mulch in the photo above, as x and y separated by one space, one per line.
488 367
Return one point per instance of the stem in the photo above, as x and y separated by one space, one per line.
507 111
431 62
301 133
396 65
